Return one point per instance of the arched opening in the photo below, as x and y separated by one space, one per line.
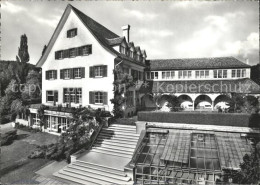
147 102
251 104
222 101
203 102
186 102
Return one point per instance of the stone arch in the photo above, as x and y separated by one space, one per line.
185 101
147 101
203 102
162 101
222 101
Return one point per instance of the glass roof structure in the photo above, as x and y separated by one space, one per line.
170 156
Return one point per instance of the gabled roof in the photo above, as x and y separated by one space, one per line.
197 63
103 35
143 53
137 48
244 85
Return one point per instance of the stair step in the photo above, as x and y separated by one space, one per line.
119 136
97 172
83 175
100 168
113 153
72 178
123 129
118 140
116 148
117 170
123 126
119 132
107 138
126 145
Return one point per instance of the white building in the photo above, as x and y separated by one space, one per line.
78 70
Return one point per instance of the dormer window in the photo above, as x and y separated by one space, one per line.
72 33
123 50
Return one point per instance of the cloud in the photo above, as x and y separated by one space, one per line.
144 32
52 22
11 8
189 4
139 15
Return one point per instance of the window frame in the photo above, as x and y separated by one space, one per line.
98 97
72 33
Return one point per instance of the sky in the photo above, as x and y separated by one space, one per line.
165 29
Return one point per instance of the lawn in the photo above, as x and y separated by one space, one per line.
15 166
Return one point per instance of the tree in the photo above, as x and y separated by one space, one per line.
23 55
236 102
250 169
32 85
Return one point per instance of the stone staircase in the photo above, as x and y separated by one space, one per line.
113 145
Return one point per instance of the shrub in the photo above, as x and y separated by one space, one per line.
207 118
8 137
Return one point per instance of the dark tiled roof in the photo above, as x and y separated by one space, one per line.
197 63
244 85
103 35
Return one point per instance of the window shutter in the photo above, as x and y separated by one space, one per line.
91 72
55 74
46 96
89 49
56 55
66 53
83 72
56 96
105 98
71 73
68 34
63 95
61 74
47 75
91 97
76 31
77 51
80 51
104 71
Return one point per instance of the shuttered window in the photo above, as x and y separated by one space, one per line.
98 71
97 97
51 96
73 73
51 75
73 52
72 95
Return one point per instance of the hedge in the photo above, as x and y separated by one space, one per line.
205 118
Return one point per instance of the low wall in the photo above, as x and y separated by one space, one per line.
205 118
22 122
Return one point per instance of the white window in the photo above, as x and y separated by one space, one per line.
72 52
224 73
180 74
99 97
243 73
185 74
197 74
98 71
79 95
77 72
189 74
59 55
202 74
238 73
66 95
51 74
72 95
207 74
86 50
72 33
35 120
233 73
66 73
50 96
220 73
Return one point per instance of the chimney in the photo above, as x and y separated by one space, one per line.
126 30
247 61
